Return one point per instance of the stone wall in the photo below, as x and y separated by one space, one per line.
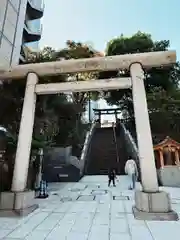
62 155
131 147
60 165
169 176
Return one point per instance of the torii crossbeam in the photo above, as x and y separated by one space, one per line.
119 62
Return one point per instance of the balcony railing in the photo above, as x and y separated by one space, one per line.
32 34
35 8
39 5
32 27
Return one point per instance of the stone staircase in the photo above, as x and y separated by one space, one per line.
102 153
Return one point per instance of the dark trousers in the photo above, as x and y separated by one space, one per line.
111 180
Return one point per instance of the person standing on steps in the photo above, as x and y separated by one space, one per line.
131 171
112 176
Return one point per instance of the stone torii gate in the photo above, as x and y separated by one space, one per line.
106 111
150 203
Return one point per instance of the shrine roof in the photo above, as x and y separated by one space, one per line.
167 141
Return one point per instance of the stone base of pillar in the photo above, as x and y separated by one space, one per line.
153 206
19 203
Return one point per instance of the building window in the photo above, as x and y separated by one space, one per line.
15 4
9 31
6 49
3 5
11 15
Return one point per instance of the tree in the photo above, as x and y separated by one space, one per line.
47 123
166 78
164 112
53 110
48 111
12 95
77 50
58 117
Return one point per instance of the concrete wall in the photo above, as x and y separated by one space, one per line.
59 165
61 155
130 144
169 176
131 147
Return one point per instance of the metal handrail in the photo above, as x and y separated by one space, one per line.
127 132
115 140
86 146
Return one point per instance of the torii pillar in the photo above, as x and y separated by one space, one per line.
150 203
23 198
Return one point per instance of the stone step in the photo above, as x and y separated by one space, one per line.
102 152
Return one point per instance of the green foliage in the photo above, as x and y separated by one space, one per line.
11 95
165 78
164 112
139 42
57 117
77 50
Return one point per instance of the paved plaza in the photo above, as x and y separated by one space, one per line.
89 210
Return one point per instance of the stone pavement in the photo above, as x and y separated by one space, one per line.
89 210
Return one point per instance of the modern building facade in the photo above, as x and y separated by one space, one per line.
18 27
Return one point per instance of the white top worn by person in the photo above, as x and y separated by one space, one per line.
131 168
